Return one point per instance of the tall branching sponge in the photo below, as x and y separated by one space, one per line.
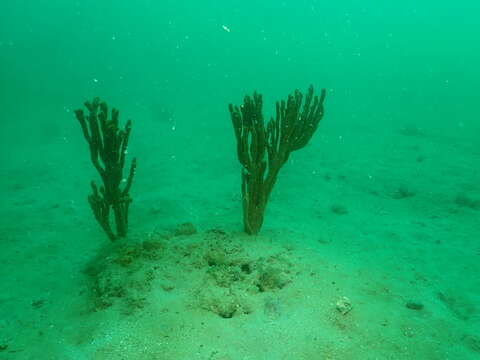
108 148
262 150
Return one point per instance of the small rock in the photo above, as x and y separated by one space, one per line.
344 305
167 287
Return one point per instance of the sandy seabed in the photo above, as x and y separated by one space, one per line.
357 259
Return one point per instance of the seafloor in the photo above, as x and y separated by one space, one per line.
370 250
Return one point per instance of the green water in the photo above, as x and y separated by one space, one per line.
382 207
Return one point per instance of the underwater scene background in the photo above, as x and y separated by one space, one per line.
370 246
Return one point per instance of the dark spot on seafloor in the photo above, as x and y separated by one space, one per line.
246 268
412 305
339 209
